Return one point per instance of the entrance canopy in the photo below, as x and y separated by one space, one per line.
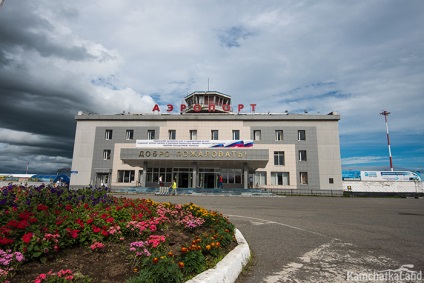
204 157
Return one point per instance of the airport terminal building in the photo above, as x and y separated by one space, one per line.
208 138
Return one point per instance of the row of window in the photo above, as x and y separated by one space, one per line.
232 176
279 135
280 160
129 135
172 135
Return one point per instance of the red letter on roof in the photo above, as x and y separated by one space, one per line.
156 108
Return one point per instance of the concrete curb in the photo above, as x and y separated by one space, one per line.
230 267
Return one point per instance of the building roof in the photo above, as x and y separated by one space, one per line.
333 116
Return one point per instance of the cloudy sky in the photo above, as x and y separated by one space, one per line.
353 57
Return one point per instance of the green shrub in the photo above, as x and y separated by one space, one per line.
162 270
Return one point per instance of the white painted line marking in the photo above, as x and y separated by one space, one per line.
330 262
282 224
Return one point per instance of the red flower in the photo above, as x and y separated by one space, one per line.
5 241
96 229
42 207
22 224
89 220
86 206
24 215
4 230
73 233
68 207
110 220
33 220
80 223
12 223
27 237
105 233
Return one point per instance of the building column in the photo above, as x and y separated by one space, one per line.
195 173
246 176
143 176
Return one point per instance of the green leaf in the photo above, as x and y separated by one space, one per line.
30 247
37 254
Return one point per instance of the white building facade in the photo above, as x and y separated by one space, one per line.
204 141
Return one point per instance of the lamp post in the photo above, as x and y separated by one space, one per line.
386 114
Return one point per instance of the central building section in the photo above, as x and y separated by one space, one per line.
192 162
206 142
207 101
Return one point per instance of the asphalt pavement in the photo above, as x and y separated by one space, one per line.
324 239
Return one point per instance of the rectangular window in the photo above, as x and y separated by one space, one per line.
302 155
257 135
106 154
280 178
278 157
278 135
303 176
150 134
236 134
301 135
231 176
172 134
214 135
193 135
108 134
260 179
126 176
129 135
331 180
153 174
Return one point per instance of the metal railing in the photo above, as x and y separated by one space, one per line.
300 192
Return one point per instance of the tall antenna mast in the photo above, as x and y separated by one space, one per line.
386 114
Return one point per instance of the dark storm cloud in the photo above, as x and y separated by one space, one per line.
38 107
3 59
31 105
35 33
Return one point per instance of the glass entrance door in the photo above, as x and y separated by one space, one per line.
102 179
208 178
183 177
183 180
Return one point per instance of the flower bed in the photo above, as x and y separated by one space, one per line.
59 235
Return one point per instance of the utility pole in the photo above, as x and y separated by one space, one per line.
386 114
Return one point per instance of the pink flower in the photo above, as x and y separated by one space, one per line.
152 228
